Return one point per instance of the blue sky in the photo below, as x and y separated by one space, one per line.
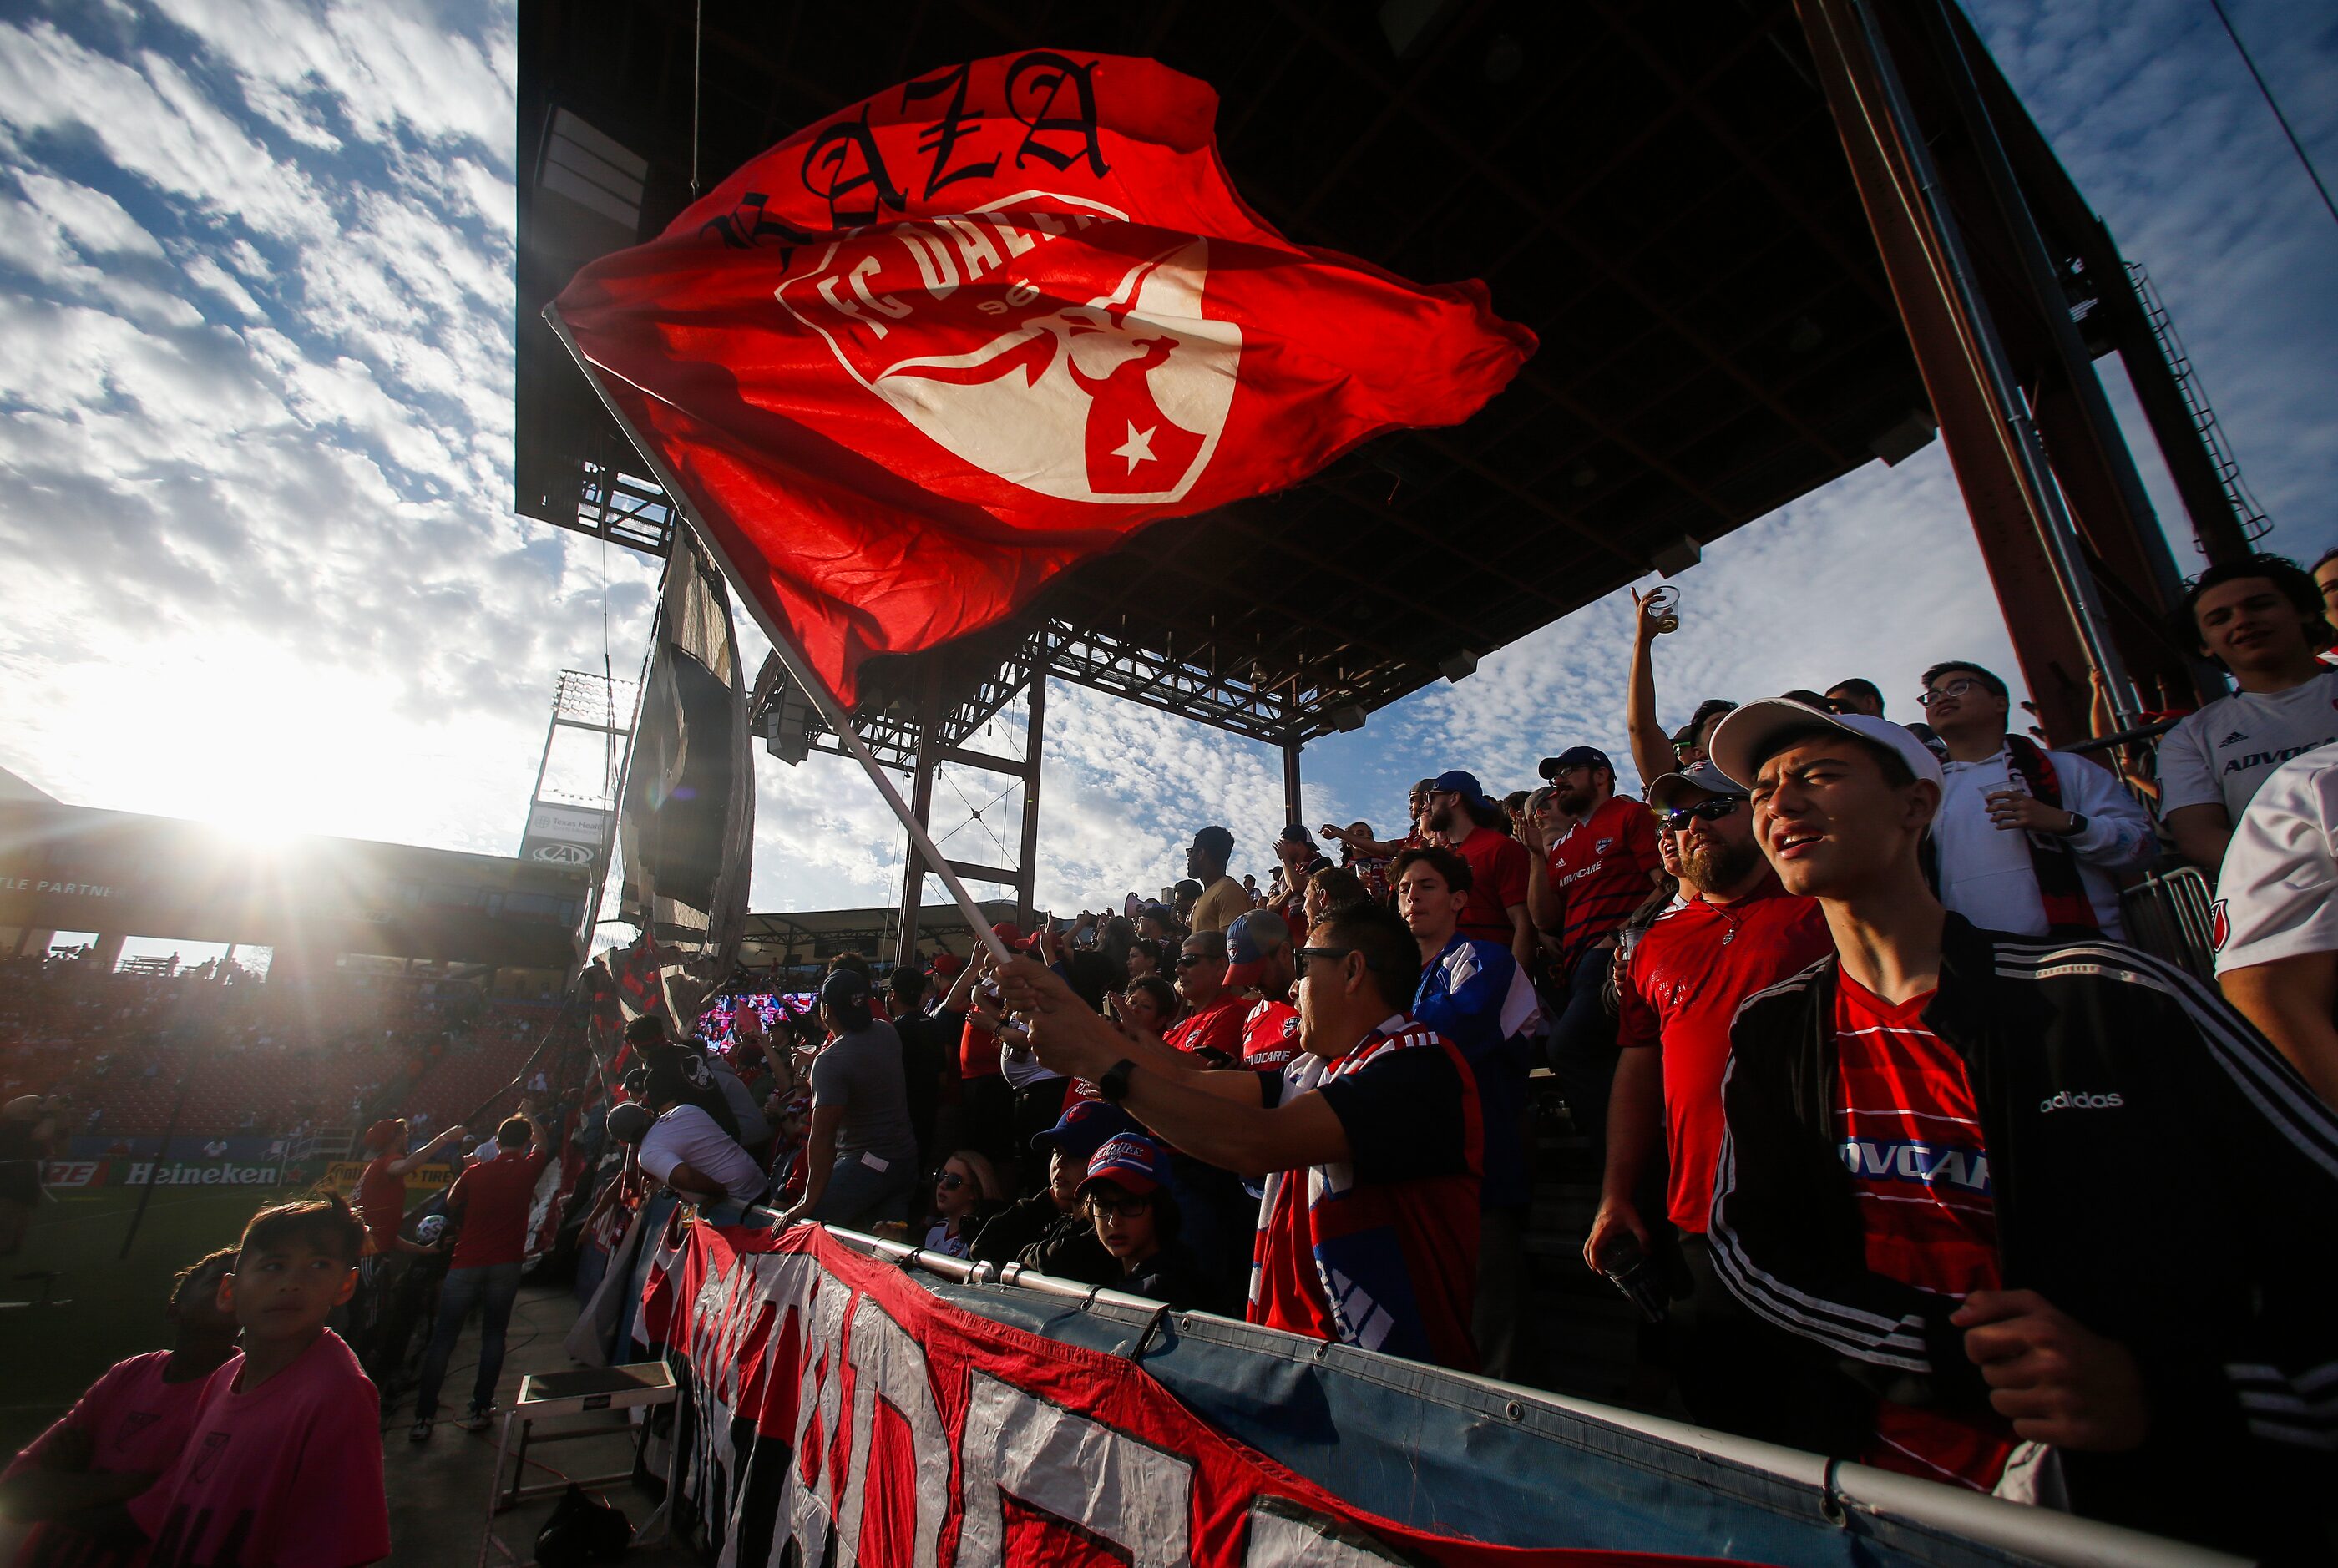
255 429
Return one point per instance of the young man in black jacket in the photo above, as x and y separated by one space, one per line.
2022 1191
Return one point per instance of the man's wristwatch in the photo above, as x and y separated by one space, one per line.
1114 1085
2078 826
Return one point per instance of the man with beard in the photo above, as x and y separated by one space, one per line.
1736 931
1465 820
1582 889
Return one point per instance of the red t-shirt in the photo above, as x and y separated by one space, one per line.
381 1202
1270 1034
1679 991
1497 879
134 1421
977 1051
1216 1027
1600 872
286 1475
1909 1131
493 1201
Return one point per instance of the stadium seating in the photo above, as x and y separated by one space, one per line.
264 1057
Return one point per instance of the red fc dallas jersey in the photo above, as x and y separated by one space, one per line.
1909 1129
1270 1034
1217 1027
1600 872
1678 992
133 1421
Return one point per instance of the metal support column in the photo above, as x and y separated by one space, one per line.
2048 594
2091 458
921 807
1033 740
1291 802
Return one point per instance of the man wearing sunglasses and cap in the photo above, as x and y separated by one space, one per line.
1734 931
2011 1191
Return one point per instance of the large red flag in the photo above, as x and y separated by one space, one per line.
924 355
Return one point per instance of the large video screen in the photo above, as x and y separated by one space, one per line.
719 1022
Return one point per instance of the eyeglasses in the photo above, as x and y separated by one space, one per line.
1949 692
1306 955
1678 819
1192 960
1126 1207
948 1181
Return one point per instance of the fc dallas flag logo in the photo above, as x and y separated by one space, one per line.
1121 398
920 358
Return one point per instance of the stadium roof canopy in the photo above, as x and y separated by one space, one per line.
814 936
1663 197
311 899
1666 205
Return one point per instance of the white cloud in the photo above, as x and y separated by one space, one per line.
256 425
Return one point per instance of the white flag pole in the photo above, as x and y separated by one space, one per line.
783 644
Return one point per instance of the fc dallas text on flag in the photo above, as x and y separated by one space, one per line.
921 357
834 1402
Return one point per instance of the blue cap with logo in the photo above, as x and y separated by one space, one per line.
1456 781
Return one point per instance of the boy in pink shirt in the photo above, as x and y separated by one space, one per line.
119 1435
283 1468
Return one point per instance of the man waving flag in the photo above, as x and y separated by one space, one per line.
922 356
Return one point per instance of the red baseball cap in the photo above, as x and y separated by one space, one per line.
1131 1161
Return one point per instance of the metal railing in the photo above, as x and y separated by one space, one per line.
1838 1488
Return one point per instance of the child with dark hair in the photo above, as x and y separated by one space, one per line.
127 1429
283 1463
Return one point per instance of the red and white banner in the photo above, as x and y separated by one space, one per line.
838 1403
924 355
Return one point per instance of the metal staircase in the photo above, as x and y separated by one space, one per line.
2255 523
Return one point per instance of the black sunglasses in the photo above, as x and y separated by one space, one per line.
1308 955
1712 811
1190 960
950 1181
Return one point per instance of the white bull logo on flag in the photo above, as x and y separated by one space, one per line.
1119 398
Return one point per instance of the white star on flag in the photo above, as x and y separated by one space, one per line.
1139 447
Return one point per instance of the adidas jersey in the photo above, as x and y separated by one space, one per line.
2220 754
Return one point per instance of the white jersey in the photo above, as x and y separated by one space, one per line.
1987 872
2278 894
2220 755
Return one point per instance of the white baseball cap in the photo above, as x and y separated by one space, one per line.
1751 733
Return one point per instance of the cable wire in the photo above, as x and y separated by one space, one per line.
2265 93
697 83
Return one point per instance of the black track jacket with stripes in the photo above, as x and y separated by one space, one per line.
2160 1174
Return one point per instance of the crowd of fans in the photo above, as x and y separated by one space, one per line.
1907 1155
1899 1136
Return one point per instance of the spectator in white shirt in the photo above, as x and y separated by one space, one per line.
2028 841
688 1151
2276 923
2261 618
